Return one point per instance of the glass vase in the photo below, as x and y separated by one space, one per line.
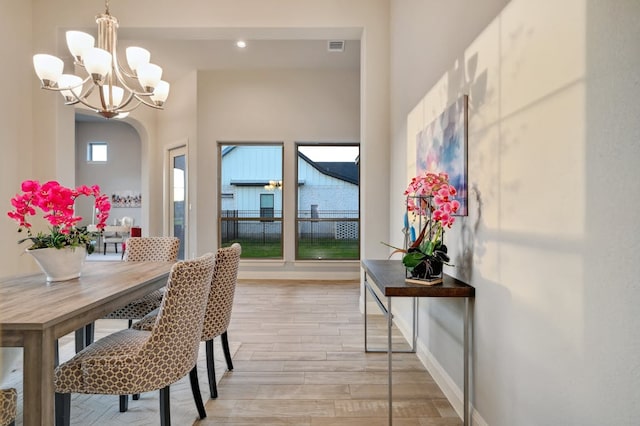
419 227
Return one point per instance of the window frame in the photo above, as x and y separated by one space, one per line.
90 152
223 193
298 220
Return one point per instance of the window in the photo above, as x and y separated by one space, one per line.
266 205
97 152
251 198
328 199
327 192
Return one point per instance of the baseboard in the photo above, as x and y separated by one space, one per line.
278 269
448 386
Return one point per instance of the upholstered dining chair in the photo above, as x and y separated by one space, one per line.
135 361
135 231
149 249
146 249
117 234
218 315
8 407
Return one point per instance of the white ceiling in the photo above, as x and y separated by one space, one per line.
181 50
178 57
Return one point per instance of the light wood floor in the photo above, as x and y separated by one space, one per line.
102 410
301 362
298 355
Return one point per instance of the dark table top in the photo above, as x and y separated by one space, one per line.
389 277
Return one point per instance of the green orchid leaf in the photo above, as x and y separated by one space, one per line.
428 247
413 259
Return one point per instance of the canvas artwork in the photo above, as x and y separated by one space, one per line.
442 147
126 199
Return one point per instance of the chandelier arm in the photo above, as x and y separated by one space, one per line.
87 104
147 103
126 102
123 71
82 97
117 70
83 101
102 100
137 104
60 89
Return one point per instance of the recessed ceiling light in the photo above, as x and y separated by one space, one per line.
241 44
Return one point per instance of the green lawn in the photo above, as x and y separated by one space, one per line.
318 249
328 249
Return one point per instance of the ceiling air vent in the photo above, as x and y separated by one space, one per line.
335 45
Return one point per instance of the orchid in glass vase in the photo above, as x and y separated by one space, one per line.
431 205
57 205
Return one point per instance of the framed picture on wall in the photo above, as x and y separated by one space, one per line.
126 199
442 147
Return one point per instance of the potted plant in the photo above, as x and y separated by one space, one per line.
64 238
430 206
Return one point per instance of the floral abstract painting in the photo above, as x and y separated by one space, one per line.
442 147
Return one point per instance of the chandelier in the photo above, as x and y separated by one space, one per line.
109 89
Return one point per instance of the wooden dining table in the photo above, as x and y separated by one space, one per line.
34 314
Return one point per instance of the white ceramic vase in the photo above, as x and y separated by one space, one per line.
60 264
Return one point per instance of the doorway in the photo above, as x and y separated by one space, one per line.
178 197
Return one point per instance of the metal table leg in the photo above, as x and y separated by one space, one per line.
466 361
366 290
390 355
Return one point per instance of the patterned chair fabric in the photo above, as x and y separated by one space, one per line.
134 361
219 306
8 406
150 249
223 288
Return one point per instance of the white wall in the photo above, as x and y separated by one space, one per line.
120 173
16 124
15 141
178 127
285 106
550 236
53 137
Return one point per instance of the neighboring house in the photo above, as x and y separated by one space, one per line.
326 190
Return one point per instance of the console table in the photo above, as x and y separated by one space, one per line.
388 276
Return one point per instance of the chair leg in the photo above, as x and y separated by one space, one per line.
124 403
63 409
130 323
136 396
211 369
225 347
195 389
89 331
80 339
165 409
